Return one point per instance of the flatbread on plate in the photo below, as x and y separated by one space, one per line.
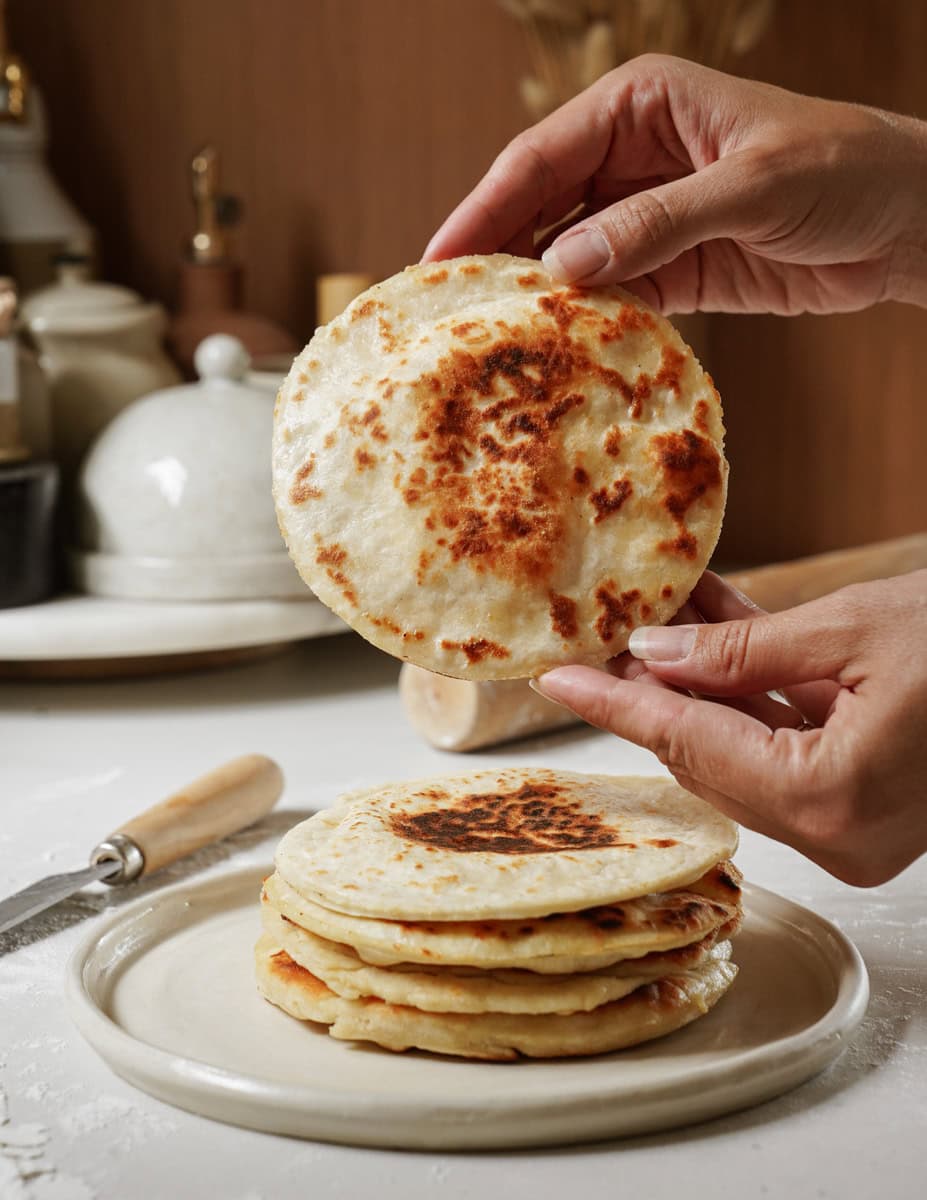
651 1011
520 842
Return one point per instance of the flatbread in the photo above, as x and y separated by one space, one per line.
519 842
489 474
672 929
651 1011
462 989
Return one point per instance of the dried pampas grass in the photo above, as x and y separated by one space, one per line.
574 42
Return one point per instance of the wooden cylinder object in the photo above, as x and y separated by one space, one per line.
333 293
459 714
227 799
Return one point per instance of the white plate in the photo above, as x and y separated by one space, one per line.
88 627
164 991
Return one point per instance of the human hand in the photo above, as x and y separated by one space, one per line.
840 771
703 191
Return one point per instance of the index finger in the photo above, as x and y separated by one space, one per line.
552 158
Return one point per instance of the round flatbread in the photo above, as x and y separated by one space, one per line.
449 989
489 474
671 929
649 1012
519 842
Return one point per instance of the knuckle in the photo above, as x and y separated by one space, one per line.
641 218
524 157
674 745
729 648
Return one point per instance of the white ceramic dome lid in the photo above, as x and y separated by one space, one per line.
185 471
75 303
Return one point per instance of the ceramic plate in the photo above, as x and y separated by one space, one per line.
89 627
164 991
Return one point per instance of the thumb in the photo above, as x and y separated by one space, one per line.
740 658
646 231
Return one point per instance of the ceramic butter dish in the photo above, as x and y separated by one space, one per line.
174 497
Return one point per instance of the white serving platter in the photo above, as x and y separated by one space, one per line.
75 627
164 991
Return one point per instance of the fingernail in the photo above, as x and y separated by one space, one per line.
662 643
576 255
560 683
537 685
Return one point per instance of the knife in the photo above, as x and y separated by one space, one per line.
215 805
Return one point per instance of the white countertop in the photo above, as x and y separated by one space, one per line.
77 759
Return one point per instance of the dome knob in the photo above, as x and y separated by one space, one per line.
221 356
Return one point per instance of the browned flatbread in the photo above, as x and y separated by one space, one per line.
653 1010
489 474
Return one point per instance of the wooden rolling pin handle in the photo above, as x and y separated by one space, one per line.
225 800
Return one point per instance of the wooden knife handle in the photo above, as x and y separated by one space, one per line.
221 802
458 714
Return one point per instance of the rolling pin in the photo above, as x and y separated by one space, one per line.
460 714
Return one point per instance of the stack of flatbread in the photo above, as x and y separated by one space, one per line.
503 913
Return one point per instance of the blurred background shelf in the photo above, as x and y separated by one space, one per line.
350 128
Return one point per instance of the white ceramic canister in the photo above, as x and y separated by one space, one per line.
174 497
100 348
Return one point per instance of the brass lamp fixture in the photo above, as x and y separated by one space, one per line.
14 79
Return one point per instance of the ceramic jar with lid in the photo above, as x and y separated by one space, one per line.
100 347
174 497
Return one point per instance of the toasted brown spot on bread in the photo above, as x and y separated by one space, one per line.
365 309
521 821
691 467
300 490
672 365
612 441
471 269
332 558
607 501
285 968
563 616
476 649
439 276
388 339
615 609
628 320
506 403
528 280
363 459
470 331
684 544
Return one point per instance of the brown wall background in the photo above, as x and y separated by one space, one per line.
351 127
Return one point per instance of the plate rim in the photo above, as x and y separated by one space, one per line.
786 1062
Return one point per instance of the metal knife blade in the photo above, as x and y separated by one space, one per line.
219 803
48 891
